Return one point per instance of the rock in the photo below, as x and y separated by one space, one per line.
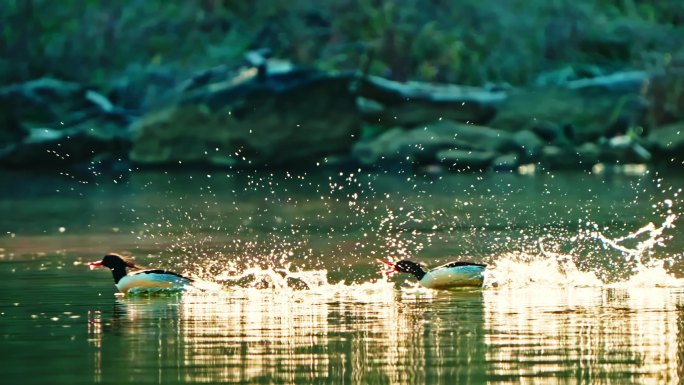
421 144
432 169
54 103
53 123
100 101
414 103
259 69
668 142
592 108
258 59
49 148
624 149
204 77
564 158
560 77
370 109
142 87
630 82
290 117
44 102
554 157
470 136
506 163
666 96
549 132
397 145
11 129
384 148
528 143
465 160
555 78
588 154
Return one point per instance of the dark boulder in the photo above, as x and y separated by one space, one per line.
506 162
528 144
579 110
49 148
421 144
48 123
44 102
466 160
398 145
413 103
666 96
288 117
583 157
667 143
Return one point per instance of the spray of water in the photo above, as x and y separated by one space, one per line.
300 231
636 266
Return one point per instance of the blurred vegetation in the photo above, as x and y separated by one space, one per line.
467 42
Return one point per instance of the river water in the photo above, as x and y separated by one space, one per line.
583 284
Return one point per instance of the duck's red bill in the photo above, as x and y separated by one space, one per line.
94 264
390 268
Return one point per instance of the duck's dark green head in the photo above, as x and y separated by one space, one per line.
114 261
406 266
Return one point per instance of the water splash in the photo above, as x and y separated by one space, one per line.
543 270
637 263
240 228
647 239
653 275
279 279
289 285
636 258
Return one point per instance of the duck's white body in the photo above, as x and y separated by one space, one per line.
449 276
445 277
151 279
142 279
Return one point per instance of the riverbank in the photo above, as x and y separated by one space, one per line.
275 115
472 86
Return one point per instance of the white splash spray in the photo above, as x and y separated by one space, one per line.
552 269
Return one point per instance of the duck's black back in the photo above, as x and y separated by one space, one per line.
459 263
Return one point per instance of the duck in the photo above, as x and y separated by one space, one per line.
142 279
448 276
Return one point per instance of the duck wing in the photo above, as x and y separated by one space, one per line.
459 263
161 271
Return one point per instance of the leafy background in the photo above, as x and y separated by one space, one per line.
467 42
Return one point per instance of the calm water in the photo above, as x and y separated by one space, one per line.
584 282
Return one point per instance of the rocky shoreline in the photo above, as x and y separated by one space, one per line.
273 114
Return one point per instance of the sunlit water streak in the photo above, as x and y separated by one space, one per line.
635 332
371 333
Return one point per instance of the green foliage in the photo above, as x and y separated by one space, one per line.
468 41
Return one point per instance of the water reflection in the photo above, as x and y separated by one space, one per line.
370 334
374 334
607 336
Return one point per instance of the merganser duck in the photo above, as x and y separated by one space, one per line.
445 277
143 279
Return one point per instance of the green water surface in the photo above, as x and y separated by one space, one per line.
62 324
